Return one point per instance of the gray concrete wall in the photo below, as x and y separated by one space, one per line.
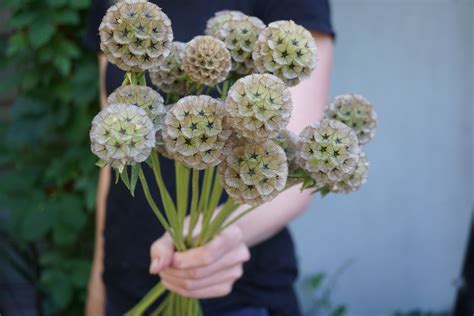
406 229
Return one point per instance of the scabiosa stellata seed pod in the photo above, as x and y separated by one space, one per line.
356 112
206 60
122 135
239 36
216 23
328 151
143 97
356 179
259 106
286 50
253 173
135 35
194 131
288 141
168 75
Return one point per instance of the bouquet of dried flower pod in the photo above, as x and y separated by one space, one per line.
239 139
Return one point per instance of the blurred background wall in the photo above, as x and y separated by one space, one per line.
402 237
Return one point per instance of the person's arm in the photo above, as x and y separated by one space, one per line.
211 270
95 304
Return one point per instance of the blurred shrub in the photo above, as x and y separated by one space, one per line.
48 178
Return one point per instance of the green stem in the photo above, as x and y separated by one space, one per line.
216 193
170 208
149 299
194 214
214 227
150 200
204 201
236 218
182 193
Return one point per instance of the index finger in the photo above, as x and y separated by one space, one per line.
210 252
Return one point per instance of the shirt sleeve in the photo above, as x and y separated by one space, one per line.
315 15
94 16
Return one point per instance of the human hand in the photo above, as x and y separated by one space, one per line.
205 272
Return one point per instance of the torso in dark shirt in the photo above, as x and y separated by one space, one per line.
131 226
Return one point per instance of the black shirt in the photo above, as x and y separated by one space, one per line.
131 226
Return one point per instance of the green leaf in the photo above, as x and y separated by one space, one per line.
68 17
56 3
316 281
22 18
124 177
63 64
41 32
79 4
58 286
134 178
37 223
17 43
339 311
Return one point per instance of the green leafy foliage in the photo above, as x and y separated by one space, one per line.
48 175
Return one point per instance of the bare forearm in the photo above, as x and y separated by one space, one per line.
309 100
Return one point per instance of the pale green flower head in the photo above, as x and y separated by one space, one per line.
206 60
356 178
286 50
356 112
135 35
194 131
143 97
239 36
122 135
253 173
328 151
288 141
259 106
169 75
216 24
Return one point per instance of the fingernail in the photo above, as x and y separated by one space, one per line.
155 265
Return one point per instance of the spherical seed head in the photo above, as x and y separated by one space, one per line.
239 36
259 106
135 35
286 50
216 23
168 75
122 135
254 173
356 112
328 151
356 179
194 131
288 141
143 97
206 60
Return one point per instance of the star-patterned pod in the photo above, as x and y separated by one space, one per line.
215 24
135 35
328 150
122 135
286 50
253 173
356 179
259 106
239 35
206 60
356 112
194 131
169 75
143 97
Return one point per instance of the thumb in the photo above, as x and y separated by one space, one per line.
161 253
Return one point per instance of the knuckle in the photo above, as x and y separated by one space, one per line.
208 256
187 285
195 274
244 253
